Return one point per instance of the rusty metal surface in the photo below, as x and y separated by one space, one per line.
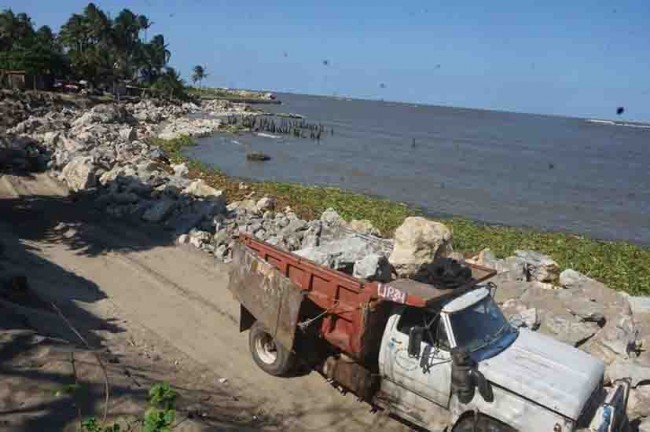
352 376
268 295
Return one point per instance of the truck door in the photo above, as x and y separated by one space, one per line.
428 376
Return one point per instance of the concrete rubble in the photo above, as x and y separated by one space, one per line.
105 149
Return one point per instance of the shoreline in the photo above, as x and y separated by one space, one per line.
622 265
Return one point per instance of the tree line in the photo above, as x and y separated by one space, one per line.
94 47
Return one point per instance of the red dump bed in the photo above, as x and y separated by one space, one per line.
348 302
354 310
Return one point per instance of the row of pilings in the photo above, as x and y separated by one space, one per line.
298 128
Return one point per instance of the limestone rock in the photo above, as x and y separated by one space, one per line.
639 402
330 216
339 254
265 203
568 328
570 278
129 134
617 339
364 226
487 258
636 372
511 269
373 267
180 170
79 173
199 188
539 267
418 241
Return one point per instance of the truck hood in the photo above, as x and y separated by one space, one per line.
546 371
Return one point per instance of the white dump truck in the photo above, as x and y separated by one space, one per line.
439 358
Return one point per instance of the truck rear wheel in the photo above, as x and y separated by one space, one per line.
270 356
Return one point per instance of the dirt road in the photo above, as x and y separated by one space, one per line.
122 280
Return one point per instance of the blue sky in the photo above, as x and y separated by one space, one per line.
571 57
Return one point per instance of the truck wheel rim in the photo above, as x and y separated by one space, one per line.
266 349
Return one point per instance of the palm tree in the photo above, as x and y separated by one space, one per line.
144 24
199 74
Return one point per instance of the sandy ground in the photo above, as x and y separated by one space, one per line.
154 310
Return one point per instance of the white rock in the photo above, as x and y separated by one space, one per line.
265 203
330 216
570 278
129 134
339 254
79 173
364 226
486 258
631 369
540 267
512 269
183 239
180 170
373 267
639 402
639 304
51 138
199 188
418 241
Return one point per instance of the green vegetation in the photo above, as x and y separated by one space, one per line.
23 48
159 416
620 265
93 47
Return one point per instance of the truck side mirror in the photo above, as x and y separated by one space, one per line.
484 387
415 341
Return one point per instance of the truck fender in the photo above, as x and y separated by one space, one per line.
474 421
246 319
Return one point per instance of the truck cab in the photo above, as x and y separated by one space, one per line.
535 383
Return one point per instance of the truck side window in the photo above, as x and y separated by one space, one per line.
412 317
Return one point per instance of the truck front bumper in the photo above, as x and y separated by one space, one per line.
610 416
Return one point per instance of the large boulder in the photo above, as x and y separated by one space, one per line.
79 173
539 267
418 242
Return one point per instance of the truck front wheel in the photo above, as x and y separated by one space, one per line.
481 424
270 356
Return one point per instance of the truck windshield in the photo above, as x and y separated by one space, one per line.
478 325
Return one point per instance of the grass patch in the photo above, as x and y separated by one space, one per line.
620 265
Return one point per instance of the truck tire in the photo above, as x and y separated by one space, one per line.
481 424
270 356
